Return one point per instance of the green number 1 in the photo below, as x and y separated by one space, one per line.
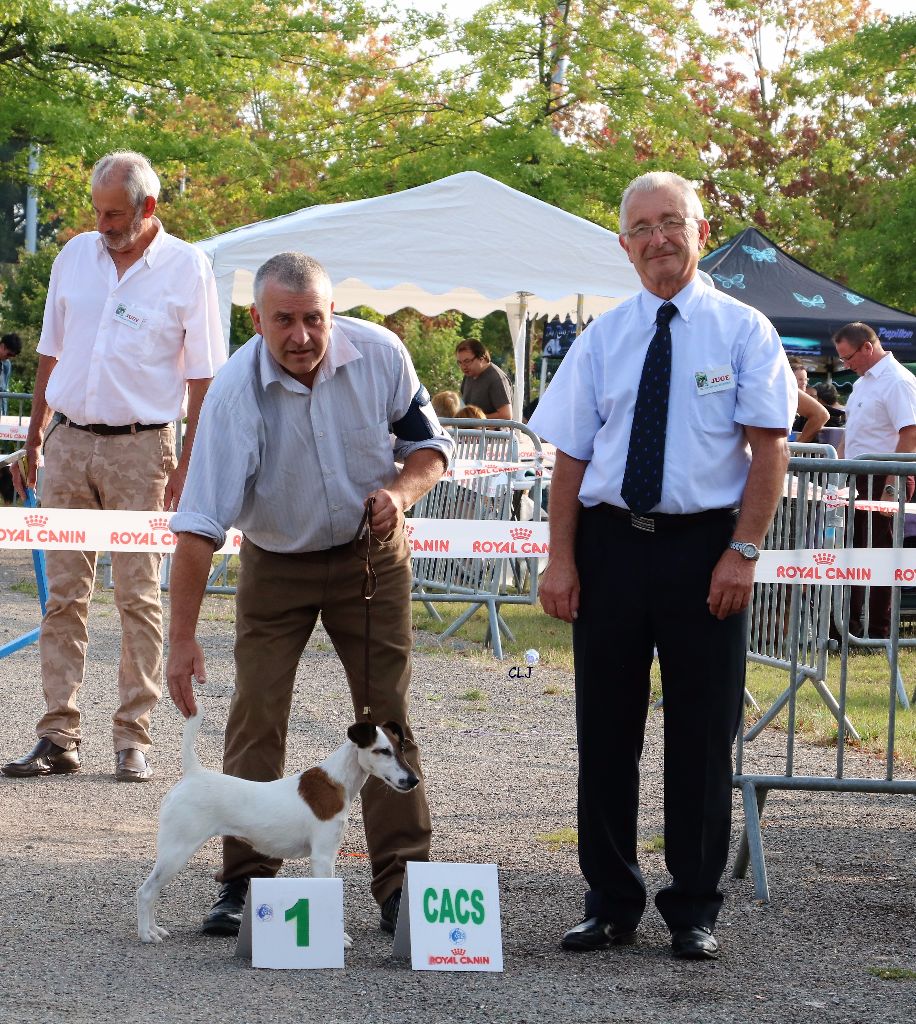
299 912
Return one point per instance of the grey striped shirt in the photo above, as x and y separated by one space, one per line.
291 466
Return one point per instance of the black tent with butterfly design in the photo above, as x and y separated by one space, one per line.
805 307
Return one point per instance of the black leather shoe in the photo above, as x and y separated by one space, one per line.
696 943
225 917
131 766
595 933
389 917
46 758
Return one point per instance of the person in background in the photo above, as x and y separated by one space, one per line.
446 404
471 412
810 416
484 383
829 398
131 337
10 347
880 419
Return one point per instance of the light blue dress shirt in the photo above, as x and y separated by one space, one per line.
728 370
291 466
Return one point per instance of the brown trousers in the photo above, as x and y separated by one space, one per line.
127 472
278 601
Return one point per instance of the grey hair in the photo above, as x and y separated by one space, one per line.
291 270
132 170
655 180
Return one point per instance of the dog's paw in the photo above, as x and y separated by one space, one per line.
348 942
153 934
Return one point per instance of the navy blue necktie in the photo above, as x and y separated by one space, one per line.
642 479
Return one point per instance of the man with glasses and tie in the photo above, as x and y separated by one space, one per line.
880 418
670 416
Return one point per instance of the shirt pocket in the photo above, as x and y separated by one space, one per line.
370 462
138 344
713 414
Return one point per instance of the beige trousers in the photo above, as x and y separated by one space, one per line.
127 472
277 605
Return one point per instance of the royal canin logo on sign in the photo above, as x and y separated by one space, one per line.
157 536
520 544
458 956
37 533
824 568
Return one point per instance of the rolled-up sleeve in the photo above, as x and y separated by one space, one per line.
52 326
225 458
410 404
204 344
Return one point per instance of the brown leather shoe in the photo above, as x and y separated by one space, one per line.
46 758
131 766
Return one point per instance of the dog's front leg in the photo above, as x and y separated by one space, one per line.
321 865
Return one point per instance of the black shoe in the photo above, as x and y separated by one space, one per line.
596 933
389 917
47 758
696 943
225 917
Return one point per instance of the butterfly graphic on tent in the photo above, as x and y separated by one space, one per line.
730 282
854 299
815 302
760 255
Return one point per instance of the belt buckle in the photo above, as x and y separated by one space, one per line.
644 523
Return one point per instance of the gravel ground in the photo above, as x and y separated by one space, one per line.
501 776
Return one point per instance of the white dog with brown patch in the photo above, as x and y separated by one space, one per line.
299 816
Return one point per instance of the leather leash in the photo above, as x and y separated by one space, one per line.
370 584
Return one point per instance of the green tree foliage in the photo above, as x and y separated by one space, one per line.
23 290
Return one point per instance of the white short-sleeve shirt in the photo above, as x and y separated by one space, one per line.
882 403
728 371
126 348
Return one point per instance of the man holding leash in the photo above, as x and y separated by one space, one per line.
670 415
131 339
294 440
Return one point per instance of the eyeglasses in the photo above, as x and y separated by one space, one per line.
467 362
847 360
669 228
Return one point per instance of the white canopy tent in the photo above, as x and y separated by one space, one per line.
465 242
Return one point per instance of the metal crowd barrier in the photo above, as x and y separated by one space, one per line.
790 626
485 582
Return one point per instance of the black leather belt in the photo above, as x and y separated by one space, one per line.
104 430
663 521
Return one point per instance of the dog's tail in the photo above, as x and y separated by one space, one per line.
189 759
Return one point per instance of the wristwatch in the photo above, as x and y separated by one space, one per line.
745 549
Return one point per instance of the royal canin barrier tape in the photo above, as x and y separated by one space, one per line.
876 567
468 469
59 529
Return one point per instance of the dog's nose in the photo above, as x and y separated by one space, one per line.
411 782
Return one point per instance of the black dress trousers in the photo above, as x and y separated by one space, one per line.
641 590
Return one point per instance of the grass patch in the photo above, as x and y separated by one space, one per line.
867 692
893 973
29 587
654 844
473 695
562 837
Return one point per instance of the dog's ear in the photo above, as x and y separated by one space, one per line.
362 734
395 728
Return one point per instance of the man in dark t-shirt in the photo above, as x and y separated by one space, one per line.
484 384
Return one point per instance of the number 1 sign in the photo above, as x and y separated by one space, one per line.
295 922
